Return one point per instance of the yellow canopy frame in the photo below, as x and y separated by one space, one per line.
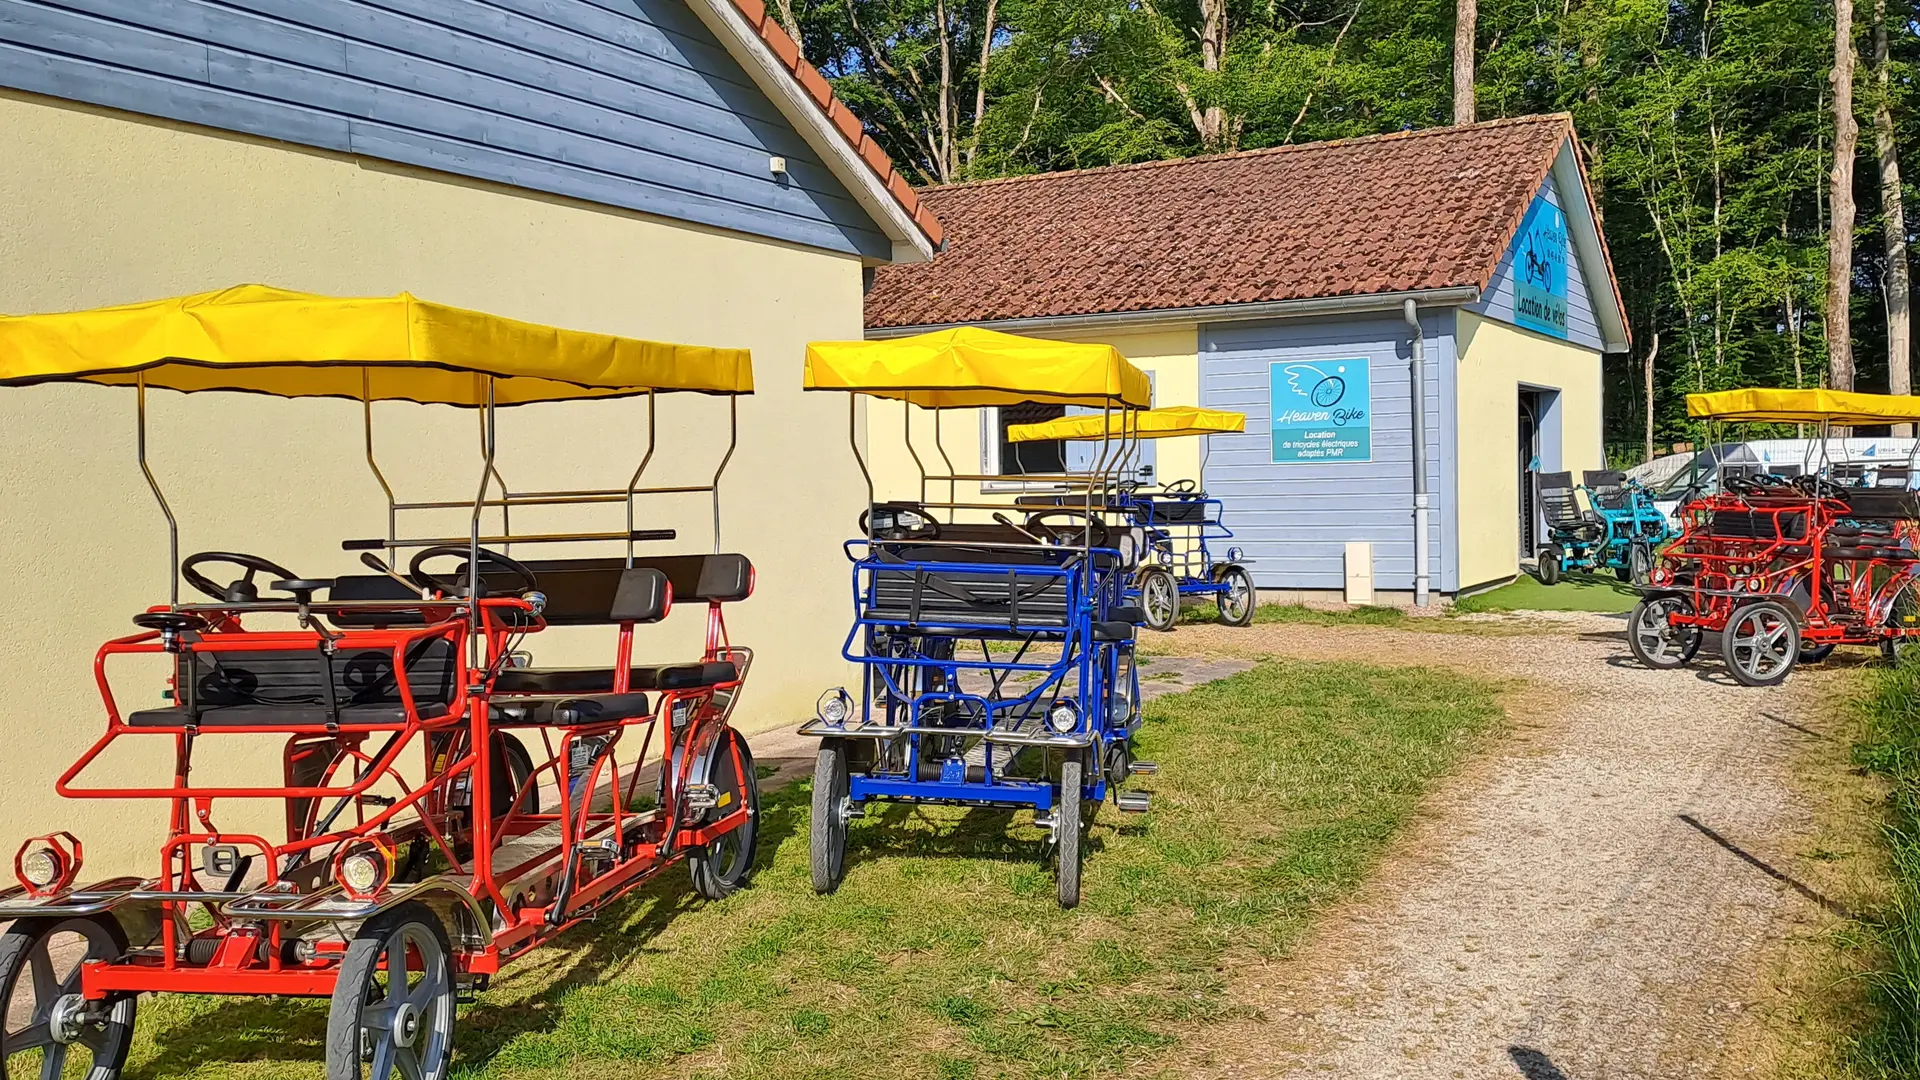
1804 406
395 348
969 366
1167 423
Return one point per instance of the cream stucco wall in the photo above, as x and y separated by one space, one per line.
100 208
1496 360
1170 354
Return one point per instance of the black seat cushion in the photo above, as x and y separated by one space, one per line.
289 687
585 709
600 680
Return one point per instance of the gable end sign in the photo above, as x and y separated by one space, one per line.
1540 270
1322 410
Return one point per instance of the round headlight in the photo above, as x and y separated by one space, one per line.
40 868
1166 556
1755 584
1063 718
361 872
1660 576
835 707
1235 554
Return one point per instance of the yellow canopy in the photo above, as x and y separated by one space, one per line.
271 341
969 366
1167 423
1805 406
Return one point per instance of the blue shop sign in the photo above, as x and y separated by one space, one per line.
1322 410
1540 270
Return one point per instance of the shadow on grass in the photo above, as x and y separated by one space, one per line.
227 1030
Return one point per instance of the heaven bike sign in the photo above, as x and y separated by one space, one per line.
1322 410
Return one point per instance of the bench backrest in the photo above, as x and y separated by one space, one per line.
580 592
1607 488
1882 504
1758 525
211 678
1557 503
1037 598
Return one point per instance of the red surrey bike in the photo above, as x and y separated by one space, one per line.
447 806
1786 569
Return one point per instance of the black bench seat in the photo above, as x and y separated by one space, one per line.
583 710
600 680
289 687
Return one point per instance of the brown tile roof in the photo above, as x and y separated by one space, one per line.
1412 210
820 92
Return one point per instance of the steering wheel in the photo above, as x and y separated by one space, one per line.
1741 485
1083 524
242 591
898 521
1182 486
417 571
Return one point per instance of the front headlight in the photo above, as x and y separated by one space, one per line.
363 867
1235 554
835 707
45 865
39 868
1063 718
1166 556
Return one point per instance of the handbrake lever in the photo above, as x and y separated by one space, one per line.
372 562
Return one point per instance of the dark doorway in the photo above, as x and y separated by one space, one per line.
1528 443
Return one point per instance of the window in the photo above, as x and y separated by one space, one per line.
1005 458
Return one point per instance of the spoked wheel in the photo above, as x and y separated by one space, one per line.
47 1028
1656 642
1549 560
1237 602
393 1004
722 867
832 812
1160 596
1761 644
1069 839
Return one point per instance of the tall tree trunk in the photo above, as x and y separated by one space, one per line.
1840 196
1212 120
790 24
1653 353
1466 18
1894 223
980 82
949 163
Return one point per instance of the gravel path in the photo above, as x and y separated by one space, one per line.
1601 896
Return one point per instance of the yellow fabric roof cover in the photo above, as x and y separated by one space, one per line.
1166 423
968 366
289 344
1804 406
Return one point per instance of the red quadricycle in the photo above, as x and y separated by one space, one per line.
447 806
1785 569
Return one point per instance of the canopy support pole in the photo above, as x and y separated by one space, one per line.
634 482
733 440
487 432
393 514
953 482
853 443
1419 391
173 526
906 433
506 501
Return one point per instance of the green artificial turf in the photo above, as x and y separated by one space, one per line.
1576 592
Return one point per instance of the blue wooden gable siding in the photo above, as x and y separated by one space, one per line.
630 103
1295 520
1496 301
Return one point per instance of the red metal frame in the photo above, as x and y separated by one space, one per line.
1842 601
251 957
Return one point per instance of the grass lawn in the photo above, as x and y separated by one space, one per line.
943 955
1577 592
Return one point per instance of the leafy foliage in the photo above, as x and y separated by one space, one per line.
1704 122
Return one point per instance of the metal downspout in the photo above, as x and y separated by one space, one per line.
1421 560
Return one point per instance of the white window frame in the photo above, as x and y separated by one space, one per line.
990 459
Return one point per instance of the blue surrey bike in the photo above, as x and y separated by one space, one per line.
1184 525
996 654
1618 530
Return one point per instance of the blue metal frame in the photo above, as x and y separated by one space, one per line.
920 685
1181 545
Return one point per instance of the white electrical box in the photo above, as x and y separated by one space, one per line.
1359 572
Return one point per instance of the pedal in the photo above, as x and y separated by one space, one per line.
1143 768
1132 802
605 849
703 796
1043 820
